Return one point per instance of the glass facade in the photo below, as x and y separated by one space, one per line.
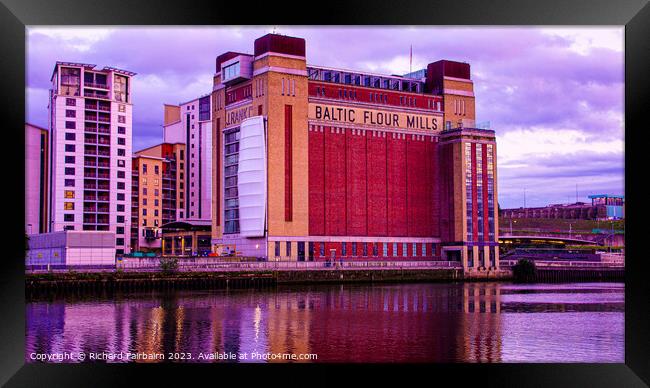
479 192
490 190
231 198
468 190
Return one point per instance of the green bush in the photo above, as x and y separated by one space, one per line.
524 271
168 264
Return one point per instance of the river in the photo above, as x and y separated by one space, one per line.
417 322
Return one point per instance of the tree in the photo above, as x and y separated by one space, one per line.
524 271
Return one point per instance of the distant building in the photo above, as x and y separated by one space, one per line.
157 193
610 207
190 123
36 179
602 207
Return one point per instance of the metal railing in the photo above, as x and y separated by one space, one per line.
198 264
562 264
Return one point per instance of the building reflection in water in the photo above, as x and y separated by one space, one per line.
350 323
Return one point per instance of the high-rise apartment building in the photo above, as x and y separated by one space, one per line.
157 192
190 123
90 116
36 179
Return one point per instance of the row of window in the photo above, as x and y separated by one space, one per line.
365 80
362 249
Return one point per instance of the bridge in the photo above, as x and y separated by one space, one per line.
549 239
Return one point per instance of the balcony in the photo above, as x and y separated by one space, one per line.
103 176
95 85
93 94
90 163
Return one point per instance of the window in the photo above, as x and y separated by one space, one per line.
156 170
120 174
344 249
121 119
404 249
121 141
144 190
70 125
68 205
121 108
69 159
354 249
415 249
69 148
155 202
121 130
119 230
120 185
144 212
385 253
70 102
68 194
120 163
155 192
144 170
121 152
394 249
155 182
424 250
322 248
144 201
70 113
120 196
155 212
375 249
288 248
119 241
277 249
70 136
69 171
364 249
69 183
68 217
120 207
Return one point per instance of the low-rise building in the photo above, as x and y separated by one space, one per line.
157 193
71 248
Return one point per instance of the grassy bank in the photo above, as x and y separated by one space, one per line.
551 224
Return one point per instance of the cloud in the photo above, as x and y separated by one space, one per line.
554 95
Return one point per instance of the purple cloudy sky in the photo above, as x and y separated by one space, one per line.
553 95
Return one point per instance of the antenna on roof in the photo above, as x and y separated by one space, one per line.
274 27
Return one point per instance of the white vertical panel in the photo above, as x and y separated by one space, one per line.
251 177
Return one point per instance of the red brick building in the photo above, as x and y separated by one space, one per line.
314 163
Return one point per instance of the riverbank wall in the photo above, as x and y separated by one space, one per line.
134 281
62 281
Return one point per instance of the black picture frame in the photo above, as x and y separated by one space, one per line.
16 14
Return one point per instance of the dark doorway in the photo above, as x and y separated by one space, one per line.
301 251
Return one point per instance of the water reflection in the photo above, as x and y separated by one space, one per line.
470 322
